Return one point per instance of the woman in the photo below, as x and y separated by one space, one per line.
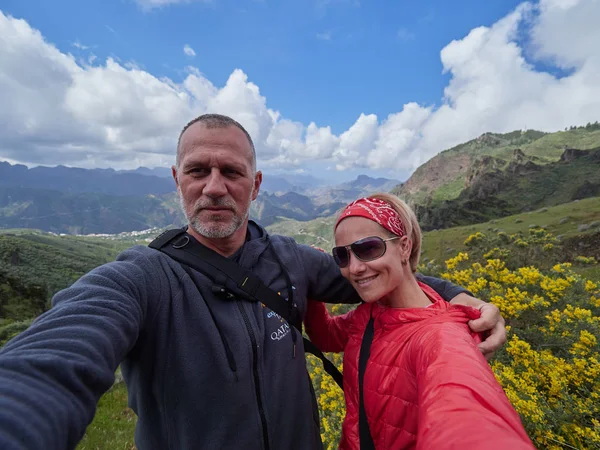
413 375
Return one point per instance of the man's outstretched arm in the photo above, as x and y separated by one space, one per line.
53 374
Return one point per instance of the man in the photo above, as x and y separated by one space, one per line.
203 371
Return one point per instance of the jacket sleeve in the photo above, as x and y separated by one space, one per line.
460 401
53 374
444 288
325 281
328 333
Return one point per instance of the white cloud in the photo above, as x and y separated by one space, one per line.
567 32
320 142
356 142
397 135
325 36
189 50
56 110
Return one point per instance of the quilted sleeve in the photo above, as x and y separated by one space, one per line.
460 401
329 333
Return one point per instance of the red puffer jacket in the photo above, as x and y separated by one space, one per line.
427 385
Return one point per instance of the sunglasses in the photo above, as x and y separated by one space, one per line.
366 249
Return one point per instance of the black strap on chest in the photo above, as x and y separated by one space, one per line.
366 440
230 278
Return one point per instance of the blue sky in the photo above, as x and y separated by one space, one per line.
321 61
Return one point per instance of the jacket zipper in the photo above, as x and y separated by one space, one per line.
261 410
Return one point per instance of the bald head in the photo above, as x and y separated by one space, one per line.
212 121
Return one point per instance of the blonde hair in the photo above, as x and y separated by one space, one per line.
410 222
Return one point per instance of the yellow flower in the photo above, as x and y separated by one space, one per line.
585 343
477 285
474 238
453 262
521 243
590 286
560 268
531 275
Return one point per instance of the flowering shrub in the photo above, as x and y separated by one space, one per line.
474 239
550 367
586 260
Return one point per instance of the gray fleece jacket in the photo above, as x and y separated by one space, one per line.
202 371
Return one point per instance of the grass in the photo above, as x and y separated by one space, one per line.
552 145
437 243
590 272
450 190
113 426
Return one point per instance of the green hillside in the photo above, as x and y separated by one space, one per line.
499 145
521 186
34 265
486 177
546 146
55 261
551 146
555 183
84 213
572 221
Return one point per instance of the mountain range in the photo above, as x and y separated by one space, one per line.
73 180
93 201
489 177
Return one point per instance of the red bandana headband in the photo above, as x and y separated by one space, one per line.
376 210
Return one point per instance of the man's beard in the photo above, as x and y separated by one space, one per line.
216 227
